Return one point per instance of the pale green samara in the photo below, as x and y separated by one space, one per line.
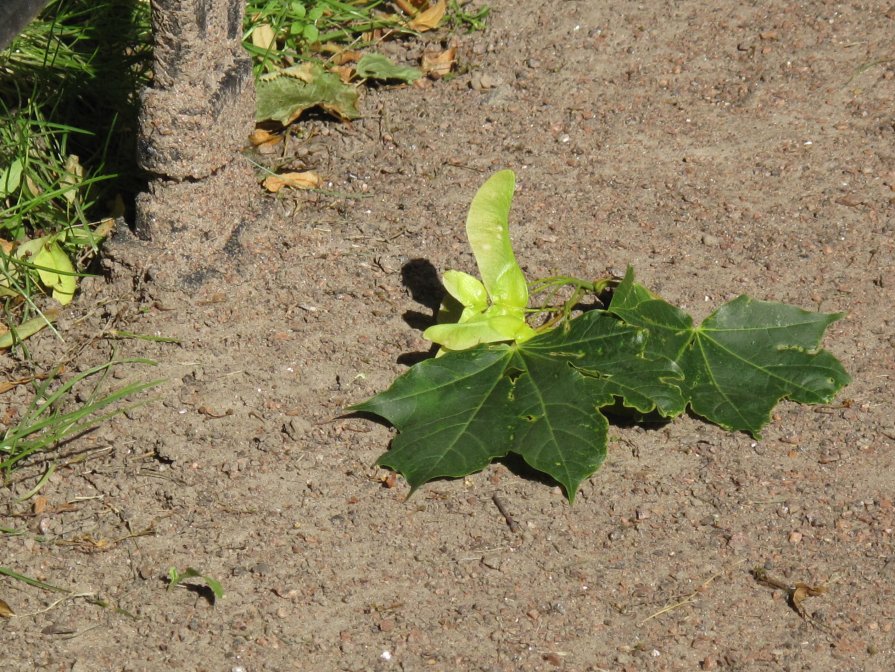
493 308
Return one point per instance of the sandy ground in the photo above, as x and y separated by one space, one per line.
720 148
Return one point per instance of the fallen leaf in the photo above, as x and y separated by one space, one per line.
5 610
347 56
72 177
377 66
33 189
39 505
411 6
53 266
28 328
345 72
796 594
437 64
7 385
429 19
284 95
306 180
800 593
849 200
260 137
263 36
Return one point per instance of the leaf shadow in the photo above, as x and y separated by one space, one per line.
626 417
421 278
201 590
517 465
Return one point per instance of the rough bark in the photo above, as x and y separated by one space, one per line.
195 120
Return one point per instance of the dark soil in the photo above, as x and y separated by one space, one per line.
720 148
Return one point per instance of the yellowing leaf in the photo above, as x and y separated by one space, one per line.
28 328
429 19
487 228
72 177
263 36
306 180
53 267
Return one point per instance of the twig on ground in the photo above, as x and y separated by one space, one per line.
498 502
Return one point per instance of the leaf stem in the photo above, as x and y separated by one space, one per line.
554 284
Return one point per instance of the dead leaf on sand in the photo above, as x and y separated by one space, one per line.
429 19
264 138
305 180
437 64
5 610
796 593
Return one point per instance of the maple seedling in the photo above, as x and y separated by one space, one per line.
501 385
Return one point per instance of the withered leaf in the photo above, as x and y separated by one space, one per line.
429 19
5 610
284 95
261 136
800 593
305 180
263 36
437 64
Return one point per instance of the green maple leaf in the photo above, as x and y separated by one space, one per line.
540 394
539 399
743 359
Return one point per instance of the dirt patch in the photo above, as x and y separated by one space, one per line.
719 150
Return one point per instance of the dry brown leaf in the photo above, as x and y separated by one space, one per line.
6 246
801 592
263 36
106 226
347 56
5 610
345 72
437 64
429 19
73 176
32 186
411 6
39 505
260 137
306 180
7 385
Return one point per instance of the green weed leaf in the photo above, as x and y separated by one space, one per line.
743 359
